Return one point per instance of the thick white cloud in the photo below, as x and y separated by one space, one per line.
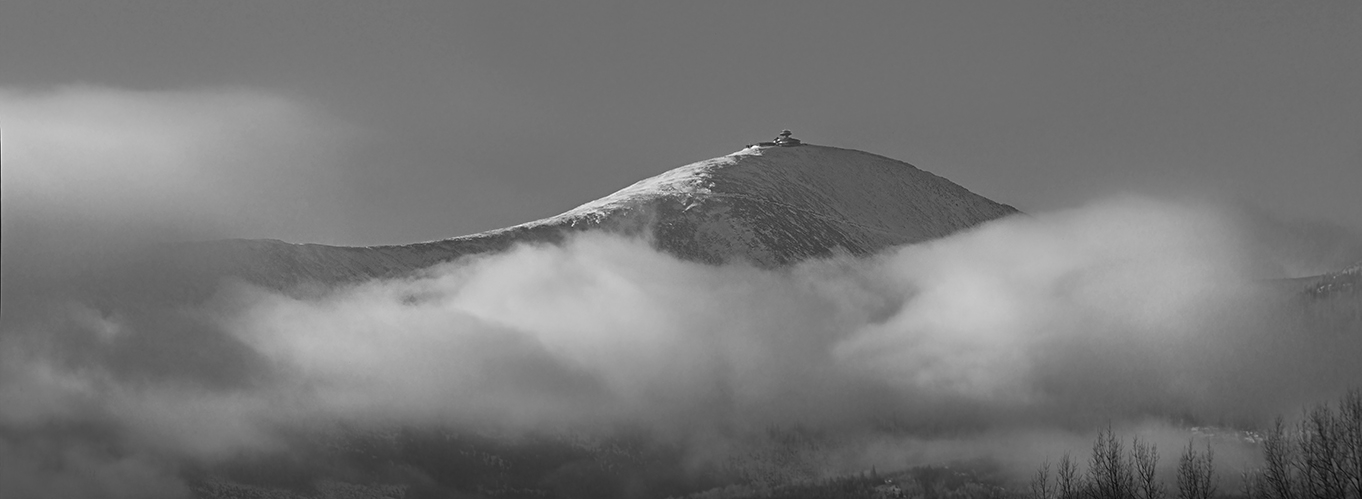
608 329
1126 311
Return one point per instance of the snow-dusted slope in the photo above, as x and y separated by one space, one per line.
767 205
1344 282
1336 298
775 205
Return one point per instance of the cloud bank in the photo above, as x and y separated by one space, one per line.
1119 313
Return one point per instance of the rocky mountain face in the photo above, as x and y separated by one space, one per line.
767 205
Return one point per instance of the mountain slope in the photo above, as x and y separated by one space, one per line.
770 206
1333 300
776 205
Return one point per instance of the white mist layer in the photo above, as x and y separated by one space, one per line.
1013 340
1123 312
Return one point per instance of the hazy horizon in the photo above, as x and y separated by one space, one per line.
419 121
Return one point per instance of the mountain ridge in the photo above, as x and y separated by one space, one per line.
770 206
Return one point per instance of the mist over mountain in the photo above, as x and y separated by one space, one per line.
342 250
770 317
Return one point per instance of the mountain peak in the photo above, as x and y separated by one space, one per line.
769 205
773 205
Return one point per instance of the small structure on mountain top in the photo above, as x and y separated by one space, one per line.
782 140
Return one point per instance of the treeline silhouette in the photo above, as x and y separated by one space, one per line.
1318 457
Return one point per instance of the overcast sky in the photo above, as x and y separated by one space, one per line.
431 120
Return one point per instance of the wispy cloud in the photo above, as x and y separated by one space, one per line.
193 163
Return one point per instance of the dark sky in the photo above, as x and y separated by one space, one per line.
457 117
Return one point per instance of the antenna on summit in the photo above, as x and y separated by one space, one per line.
784 139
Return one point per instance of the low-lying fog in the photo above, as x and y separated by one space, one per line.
1015 341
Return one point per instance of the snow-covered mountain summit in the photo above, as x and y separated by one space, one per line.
768 205
776 205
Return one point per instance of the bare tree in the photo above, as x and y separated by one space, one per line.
1109 473
1196 473
1254 484
1350 416
1319 457
1145 458
1040 483
1279 456
1322 468
1068 483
